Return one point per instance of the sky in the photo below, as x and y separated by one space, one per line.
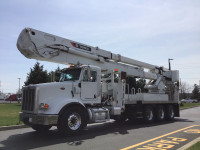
147 30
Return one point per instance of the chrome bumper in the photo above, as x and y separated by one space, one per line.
38 119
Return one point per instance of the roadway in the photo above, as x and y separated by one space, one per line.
110 136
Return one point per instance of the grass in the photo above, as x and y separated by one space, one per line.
195 146
189 105
9 114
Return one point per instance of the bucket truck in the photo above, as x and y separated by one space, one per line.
95 88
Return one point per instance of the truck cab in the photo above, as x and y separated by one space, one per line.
78 86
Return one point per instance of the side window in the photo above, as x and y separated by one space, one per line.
93 76
116 77
85 75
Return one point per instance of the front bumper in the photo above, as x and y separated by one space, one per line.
38 119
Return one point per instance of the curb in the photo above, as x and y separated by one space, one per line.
3 128
190 144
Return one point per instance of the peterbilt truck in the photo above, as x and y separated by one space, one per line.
94 88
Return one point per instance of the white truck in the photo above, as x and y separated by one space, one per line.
93 88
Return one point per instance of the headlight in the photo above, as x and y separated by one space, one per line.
44 106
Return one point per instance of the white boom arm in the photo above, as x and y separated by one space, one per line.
43 46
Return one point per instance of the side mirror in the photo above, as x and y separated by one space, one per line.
79 85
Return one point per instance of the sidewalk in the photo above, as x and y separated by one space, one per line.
3 128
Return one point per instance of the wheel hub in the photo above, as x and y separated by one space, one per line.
74 121
150 115
161 114
171 113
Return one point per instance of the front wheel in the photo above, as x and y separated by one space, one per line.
71 121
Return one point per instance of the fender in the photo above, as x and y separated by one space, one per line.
78 104
75 104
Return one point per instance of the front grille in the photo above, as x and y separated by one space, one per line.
28 99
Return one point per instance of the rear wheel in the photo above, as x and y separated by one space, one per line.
40 128
148 115
170 113
159 113
72 120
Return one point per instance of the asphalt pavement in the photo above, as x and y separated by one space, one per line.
110 136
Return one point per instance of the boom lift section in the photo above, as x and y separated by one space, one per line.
47 47
43 46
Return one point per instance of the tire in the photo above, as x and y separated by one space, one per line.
40 128
159 113
72 120
170 114
148 114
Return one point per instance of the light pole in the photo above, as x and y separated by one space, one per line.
169 63
19 84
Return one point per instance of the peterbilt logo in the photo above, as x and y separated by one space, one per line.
80 46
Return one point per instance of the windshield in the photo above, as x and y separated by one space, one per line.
70 74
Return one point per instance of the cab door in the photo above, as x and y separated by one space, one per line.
90 85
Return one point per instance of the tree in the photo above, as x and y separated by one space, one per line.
132 83
185 90
37 75
140 84
195 92
57 74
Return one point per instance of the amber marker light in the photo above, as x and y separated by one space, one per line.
46 106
